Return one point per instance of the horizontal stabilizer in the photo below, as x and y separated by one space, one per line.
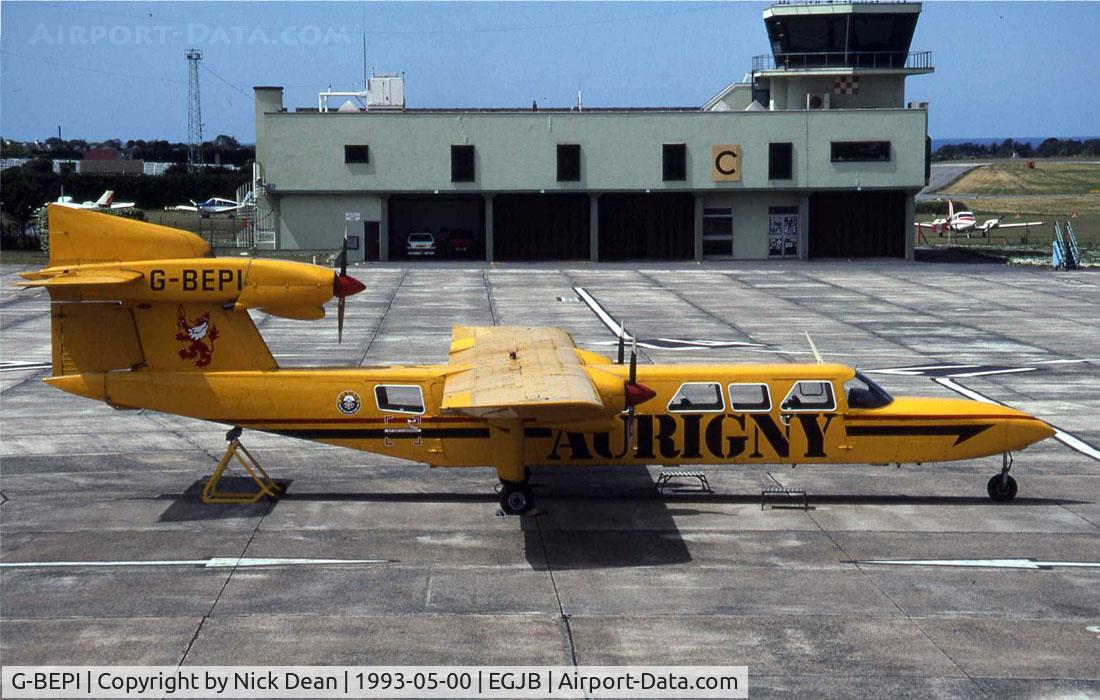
74 279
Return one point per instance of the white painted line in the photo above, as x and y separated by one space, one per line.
212 563
611 324
23 365
1015 370
1069 440
986 563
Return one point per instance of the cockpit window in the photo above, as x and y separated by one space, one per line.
810 396
697 397
750 398
399 398
864 393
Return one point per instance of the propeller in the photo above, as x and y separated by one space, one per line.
622 341
635 393
343 286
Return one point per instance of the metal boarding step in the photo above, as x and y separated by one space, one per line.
668 475
789 492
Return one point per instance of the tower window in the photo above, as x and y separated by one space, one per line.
569 162
860 151
357 154
462 163
779 161
674 161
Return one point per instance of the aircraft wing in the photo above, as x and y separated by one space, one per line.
122 205
182 207
1018 224
516 371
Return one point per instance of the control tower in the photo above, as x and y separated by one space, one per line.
845 55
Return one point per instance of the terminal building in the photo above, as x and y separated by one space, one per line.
815 154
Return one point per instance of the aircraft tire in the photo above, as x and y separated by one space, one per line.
1000 490
516 499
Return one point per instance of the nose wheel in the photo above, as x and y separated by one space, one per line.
1002 487
516 498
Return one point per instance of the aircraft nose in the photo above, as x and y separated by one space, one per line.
1027 431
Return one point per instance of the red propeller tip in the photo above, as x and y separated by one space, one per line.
346 285
638 393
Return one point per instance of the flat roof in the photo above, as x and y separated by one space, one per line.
505 110
840 8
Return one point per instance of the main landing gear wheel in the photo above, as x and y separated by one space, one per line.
516 499
1001 488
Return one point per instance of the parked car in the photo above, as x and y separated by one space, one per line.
420 244
461 242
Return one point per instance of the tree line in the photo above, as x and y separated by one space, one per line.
25 188
223 149
1009 148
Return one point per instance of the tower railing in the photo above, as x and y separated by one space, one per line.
843 59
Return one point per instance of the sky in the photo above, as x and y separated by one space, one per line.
104 70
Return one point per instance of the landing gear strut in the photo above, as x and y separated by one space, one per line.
516 497
1002 487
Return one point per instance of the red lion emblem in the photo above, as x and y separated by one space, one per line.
196 334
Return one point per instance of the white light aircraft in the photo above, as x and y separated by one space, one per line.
965 222
105 201
214 206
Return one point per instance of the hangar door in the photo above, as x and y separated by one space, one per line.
647 226
857 225
540 227
456 222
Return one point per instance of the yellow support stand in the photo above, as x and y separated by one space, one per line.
267 485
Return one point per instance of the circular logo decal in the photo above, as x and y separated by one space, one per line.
348 403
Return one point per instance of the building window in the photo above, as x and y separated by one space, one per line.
779 161
462 163
569 162
356 154
782 232
674 160
860 151
717 231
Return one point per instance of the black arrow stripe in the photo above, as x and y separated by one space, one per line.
396 433
962 433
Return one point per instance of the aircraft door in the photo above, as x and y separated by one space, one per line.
812 421
408 431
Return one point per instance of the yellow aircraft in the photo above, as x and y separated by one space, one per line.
142 316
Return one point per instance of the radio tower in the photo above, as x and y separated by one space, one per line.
194 112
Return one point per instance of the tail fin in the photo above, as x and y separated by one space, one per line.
124 330
80 237
105 198
950 209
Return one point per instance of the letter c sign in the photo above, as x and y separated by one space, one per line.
726 163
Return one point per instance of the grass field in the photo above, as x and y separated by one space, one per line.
1053 191
1013 177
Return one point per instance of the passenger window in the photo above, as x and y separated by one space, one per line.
399 398
697 397
810 396
750 398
